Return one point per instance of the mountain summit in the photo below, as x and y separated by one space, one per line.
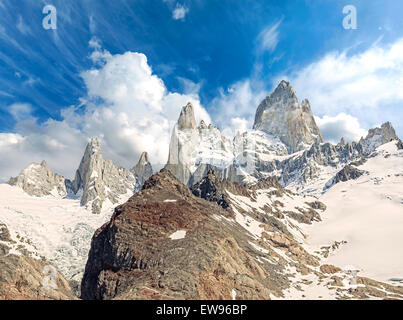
100 179
281 116
187 118
143 169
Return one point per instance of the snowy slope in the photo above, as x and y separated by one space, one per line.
58 229
368 214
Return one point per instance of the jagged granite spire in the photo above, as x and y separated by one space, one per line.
100 179
187 118
281 116
143 169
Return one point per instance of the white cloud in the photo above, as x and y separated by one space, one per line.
127 107
234 109
340 126
179 12
339 82
269 37
20 111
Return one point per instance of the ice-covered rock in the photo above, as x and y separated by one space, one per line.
379 136
39 180
195 150
281 115
100 179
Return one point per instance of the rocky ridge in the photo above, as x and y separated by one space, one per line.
38 180
166 243
349 172
96 180
23 277
285 142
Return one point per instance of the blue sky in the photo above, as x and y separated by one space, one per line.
225 55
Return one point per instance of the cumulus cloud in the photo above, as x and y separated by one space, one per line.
127 107
179 13
339 82
269 37
340 126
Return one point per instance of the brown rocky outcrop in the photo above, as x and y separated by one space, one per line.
135 255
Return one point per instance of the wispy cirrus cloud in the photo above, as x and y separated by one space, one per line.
269 37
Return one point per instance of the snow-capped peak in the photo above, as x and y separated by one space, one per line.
281 116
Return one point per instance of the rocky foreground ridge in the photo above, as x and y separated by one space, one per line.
168 243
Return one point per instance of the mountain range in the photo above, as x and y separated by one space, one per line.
272 213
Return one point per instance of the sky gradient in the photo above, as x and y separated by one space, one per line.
121 70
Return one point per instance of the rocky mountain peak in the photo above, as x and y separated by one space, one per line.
187 118
284 91
281 116
143 159
93 147
39 180
386 132
378 136
202 125
143 169
100 179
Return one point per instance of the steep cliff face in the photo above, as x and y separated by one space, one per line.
100 180
187 119
143 169
281 115
38 180
195 150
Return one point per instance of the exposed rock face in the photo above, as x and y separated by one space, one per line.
195 150
165 243
379 136
209 189
100 179
138 256
282 126
187 118
23 277
38 180
399 144
280 115
143 169
349 172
